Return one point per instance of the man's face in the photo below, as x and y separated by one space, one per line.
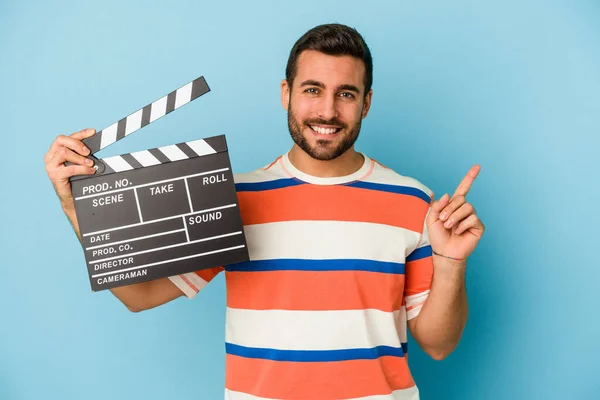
326 104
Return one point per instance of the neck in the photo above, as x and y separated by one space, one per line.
346 164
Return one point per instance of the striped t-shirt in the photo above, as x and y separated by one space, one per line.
337 266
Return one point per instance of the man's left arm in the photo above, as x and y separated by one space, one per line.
443 316
453 230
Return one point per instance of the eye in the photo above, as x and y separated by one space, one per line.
312 90
347 95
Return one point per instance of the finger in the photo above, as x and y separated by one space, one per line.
84 133
465 185
68 143
73 142
64 173
436 207
60 179
64 154
452 206
471 223
457 216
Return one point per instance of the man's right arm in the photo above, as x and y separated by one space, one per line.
136 297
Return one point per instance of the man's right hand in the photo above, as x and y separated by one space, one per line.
136 297
63 149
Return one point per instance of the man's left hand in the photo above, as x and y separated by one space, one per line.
453 226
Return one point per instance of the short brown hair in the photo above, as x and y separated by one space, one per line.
333 40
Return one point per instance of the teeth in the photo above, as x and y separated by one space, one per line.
324 131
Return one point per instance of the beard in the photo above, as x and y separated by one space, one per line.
324 150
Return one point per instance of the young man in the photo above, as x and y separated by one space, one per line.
344 252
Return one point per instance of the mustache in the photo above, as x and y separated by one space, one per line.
319 121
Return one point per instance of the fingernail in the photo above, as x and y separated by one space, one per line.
89 162
448 224
443 216
91 130
85 150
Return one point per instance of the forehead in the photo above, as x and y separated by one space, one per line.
329 70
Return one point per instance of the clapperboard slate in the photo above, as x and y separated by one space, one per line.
158 212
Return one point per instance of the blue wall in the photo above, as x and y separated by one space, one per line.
511 85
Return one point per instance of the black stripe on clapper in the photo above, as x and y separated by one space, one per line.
171 102
121 129
159 156
199 87
187 150
131 160
218 143
146 115
107 169
93 142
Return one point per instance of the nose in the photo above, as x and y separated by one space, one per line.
327 108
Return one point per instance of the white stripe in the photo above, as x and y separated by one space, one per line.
158 109
134 122
135 239
316 330
187 233
415 301
183 286
413 312
183 95
261 175
189 197
361 240
124 255
196 280
109 135
200 147
173 153
137 202
169 261
411 393
160 219
416 298
193 278
145 158
150 184
117 163
390 177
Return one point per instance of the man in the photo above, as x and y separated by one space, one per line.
344 252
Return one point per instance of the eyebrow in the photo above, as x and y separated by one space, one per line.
346 86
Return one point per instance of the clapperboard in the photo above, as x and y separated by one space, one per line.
158 212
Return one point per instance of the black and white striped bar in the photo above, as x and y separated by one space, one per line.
159 212
147 115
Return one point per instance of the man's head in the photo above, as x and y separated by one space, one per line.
327 90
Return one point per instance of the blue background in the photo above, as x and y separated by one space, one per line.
512 85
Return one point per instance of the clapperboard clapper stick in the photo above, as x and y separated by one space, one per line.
158 212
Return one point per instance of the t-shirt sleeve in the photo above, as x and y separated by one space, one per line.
192 282
418 275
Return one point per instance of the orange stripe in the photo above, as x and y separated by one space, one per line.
209 274
339 203
317 380
194 288
314 290
419 274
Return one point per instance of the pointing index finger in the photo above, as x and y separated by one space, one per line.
465 185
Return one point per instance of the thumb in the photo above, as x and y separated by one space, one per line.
436 209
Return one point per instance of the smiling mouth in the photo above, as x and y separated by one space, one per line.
321 130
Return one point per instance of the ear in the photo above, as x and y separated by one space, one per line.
367 103
285 94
